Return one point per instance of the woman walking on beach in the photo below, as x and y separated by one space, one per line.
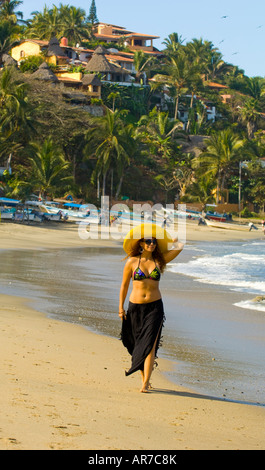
147 248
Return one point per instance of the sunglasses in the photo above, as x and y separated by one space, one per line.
148 241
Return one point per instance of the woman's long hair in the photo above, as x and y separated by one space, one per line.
157 254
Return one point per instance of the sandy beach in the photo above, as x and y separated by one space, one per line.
17 236
64 388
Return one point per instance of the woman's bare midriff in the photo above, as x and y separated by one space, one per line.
145 291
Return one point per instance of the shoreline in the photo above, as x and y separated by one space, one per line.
49 278
64 387
54 235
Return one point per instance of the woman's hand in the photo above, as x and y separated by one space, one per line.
122 314
171 254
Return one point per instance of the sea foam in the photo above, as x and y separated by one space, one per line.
238 267
252 305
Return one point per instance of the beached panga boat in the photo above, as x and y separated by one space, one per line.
6 214
227 225
7 208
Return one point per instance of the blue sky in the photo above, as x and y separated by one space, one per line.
240 37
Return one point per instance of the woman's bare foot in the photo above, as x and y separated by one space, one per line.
145 388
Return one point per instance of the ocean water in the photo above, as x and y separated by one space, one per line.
237 266
214 334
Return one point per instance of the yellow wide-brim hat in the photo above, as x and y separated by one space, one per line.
147 231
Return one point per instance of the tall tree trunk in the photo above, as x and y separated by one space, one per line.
74 167
98 186
111 185
104 184
250 129
176 107
119 186
191 106
223 182
218 189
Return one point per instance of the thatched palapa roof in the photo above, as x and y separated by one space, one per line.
100 63
44 73
55 49
91 79
8 60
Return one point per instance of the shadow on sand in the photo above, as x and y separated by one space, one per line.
199 396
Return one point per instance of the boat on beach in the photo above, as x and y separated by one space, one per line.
216 216
227 225
44 212
7 208
6 214
34 211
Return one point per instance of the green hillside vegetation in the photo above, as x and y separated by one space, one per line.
134 150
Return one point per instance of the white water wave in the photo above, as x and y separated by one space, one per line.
252 305
241 272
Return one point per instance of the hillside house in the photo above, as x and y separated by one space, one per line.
51 50
118 65
120 35
92 84
109 70
76 54
28 47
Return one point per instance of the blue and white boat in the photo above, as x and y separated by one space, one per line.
7 208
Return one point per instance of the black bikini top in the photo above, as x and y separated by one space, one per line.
139 275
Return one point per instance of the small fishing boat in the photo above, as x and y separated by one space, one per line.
217 217
226 225
6 214
7 208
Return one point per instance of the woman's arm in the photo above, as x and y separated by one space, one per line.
171 254
127 274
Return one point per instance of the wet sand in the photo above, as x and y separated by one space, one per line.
63 387
217 348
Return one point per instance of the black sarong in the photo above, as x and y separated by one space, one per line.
143 325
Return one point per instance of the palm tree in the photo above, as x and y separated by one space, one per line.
208 58
131 142
16 115
222 151
184 173
201 191
9 33
198 50
50 170
249 114
16 112
167 183
105 143
156 130
173 43
140 61
7 11
175 78
46 24
73 24
198 123
195 85
66 21
255 87
114 96
256 183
